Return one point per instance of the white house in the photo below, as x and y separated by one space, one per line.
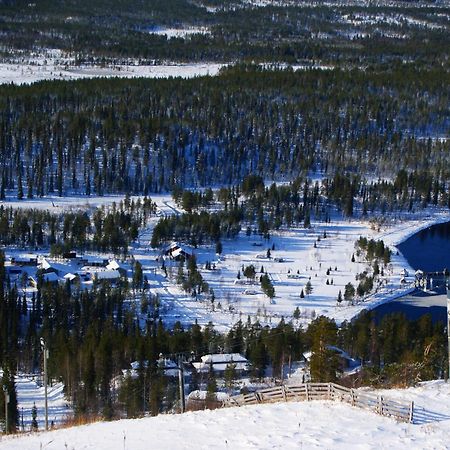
116 265
50 278
220 361
110 275
24 260
93 261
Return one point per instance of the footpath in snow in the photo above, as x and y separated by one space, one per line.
30 392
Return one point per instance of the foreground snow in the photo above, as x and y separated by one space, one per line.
315 425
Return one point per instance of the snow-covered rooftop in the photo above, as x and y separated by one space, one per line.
219 362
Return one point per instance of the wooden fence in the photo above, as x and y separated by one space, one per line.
327 391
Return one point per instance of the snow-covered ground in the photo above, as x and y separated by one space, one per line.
52 69
313 425
294 261
30 392
55 203
179 32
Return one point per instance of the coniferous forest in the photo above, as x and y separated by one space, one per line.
144 136
320 109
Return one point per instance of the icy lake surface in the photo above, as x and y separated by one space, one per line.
429 249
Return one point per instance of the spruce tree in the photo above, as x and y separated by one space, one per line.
34 422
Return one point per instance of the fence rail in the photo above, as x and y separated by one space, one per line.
327 391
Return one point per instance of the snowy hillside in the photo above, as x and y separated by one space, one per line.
30 393
314 425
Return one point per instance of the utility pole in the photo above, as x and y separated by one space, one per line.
45 352
290 361
181 384
448 327
5 390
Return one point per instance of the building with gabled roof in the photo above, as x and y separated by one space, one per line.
178 251
219 362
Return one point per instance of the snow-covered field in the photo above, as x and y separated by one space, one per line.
55 203
297 256
39 69
314 425
51 69
293 263
179 32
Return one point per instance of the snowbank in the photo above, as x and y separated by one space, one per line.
314 425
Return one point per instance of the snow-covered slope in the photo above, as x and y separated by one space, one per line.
30 393
314 425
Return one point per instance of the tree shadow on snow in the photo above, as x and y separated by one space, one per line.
424 416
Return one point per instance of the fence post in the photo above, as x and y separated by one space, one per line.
283 388
380 405
411 412
329 391
352 397
307 392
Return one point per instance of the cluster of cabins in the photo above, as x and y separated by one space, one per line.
29 270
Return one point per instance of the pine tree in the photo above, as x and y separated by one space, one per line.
308 288
34 422
349 292
8 384
324 363
137 275
211 387
19 187
230 376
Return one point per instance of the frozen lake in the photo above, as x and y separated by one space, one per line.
416 305
427 250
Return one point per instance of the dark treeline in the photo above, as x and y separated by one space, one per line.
103 229
339 34
142 136
197 228
396 350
